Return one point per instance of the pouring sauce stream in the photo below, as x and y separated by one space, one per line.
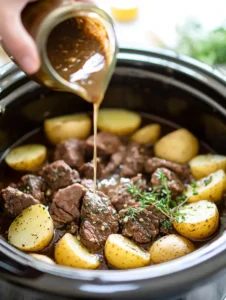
79 58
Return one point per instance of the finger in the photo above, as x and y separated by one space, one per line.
19 44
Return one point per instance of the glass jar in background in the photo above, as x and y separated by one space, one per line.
125 10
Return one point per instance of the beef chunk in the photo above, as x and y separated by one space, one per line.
59 175
133 162
14 201
66 203
99 220
87 169
107 143
140 224
87 183
72 152
34 185
173 182
119 196
154 163
115 161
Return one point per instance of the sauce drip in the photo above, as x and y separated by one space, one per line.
95 118
79 58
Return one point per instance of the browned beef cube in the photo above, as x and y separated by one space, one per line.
99 220
154 163
142 225
72 152
119 196
87 183
14 201
87 169
174 184
115 161
133 162
59 175
66 204
34 185
107 143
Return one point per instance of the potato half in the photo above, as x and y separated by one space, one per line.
170 247
26 157
209 188
70 252
42 258
124 254
201 220
118 121
32 230
203 165
65 127
147 134
179 146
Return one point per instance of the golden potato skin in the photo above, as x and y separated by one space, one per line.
62 128
213 191
32 230
179 146
147 134
201 220
118 121
26 157
42 258
170 247
205 164
70 252
122 253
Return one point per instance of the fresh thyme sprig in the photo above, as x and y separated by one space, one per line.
161 198
194 186
131 214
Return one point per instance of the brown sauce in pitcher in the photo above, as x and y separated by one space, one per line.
79 58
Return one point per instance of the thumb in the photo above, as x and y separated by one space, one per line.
19 43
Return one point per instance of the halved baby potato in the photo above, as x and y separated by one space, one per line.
203 165
122 253
26 157
209 188
63 128
32 230
200 220
147 134
118 121
70 252
179 146
42 258
170 247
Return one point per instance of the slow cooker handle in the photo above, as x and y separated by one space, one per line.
8 266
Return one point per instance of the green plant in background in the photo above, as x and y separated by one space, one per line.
207 47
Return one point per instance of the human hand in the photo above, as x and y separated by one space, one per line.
16 39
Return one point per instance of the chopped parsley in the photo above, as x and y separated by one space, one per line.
207 180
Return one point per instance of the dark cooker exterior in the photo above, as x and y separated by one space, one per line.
179 89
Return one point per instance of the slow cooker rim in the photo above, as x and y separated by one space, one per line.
211 252
10 68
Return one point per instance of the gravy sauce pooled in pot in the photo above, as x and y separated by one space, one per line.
78 49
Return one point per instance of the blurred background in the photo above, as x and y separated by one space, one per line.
196 28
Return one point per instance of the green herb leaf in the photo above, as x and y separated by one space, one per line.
207 180
194 186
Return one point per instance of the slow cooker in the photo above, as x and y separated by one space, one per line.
178 90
